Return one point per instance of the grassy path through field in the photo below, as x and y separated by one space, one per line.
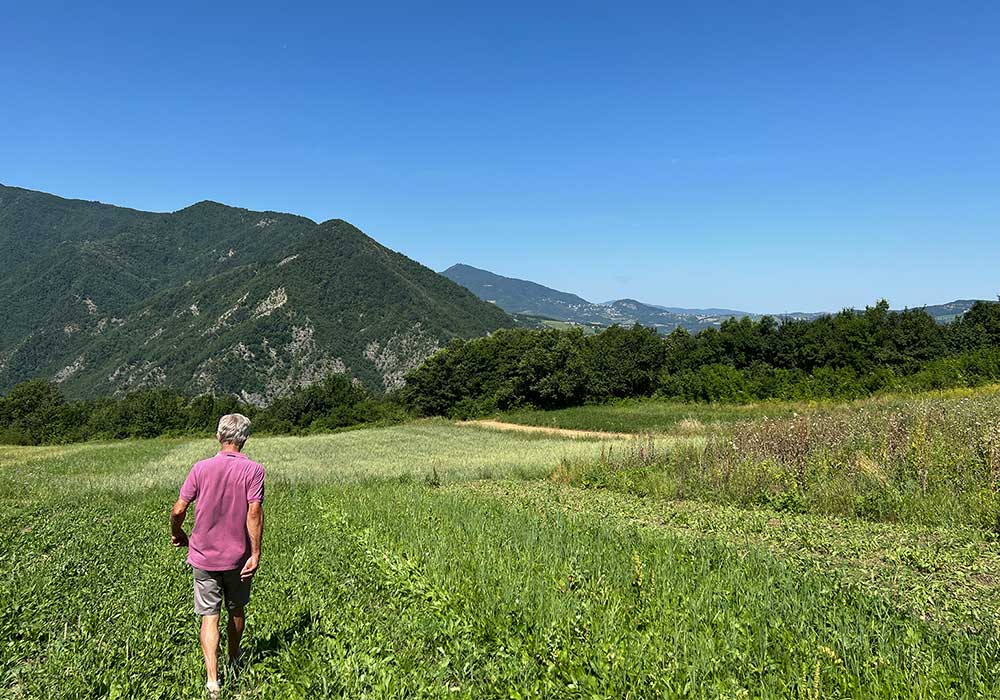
560 432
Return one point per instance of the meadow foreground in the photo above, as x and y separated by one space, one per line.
435 560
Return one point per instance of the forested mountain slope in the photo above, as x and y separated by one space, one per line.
212 298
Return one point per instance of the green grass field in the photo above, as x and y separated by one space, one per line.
646 415
435 560
658 416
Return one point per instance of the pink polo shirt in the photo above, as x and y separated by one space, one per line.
222 485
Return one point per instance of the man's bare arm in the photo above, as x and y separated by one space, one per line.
255 529
177 515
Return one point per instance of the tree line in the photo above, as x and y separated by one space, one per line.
840 356
843 356
36 413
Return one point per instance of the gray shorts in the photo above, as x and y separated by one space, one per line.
211 587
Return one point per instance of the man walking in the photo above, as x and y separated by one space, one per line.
224 548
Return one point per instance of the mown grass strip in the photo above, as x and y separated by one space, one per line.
648 416
671 612
949 576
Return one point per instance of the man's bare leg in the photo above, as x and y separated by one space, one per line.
234 632
210 646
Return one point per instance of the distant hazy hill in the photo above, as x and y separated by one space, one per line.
526 298
212 299
537 305
726 313
523 297
943 313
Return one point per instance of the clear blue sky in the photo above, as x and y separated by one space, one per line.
765 156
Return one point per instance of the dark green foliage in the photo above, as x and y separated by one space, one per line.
712 382
151 412
968 369
546 369
844 356
335 403
36 413
32 413
978 327
623 362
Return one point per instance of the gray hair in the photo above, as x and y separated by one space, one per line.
234 428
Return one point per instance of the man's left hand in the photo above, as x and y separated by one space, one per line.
179 540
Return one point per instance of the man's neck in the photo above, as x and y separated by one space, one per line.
230 447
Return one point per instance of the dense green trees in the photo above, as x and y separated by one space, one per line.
35 413
544 368
622 363
843 356
334 403
31 413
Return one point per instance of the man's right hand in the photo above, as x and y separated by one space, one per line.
178 537
250 568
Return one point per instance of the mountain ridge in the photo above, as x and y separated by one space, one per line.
515 296
103 299
527 299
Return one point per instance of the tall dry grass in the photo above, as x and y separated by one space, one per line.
934 460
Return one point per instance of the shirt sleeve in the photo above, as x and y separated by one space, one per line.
189 491
255 485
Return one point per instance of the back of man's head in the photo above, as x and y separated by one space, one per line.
234 428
